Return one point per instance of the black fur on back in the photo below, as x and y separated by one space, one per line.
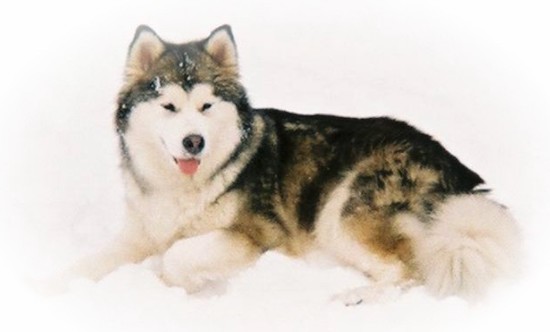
334 146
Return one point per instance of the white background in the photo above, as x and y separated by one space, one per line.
474 74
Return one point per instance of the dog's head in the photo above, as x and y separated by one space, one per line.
182 109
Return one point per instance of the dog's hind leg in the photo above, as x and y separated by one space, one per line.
364 243
361 237
388 274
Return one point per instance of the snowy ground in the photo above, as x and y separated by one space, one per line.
474 74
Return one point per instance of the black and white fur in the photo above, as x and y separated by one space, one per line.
374 194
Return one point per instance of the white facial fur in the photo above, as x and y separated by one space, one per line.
155 134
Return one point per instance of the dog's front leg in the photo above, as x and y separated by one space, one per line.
132 245
215 256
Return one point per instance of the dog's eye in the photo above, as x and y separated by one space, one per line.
205 106
170 107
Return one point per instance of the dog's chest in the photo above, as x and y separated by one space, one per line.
171 215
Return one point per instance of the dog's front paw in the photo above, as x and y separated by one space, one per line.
196 283
207 260
177 270
191 283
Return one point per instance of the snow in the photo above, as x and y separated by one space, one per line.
472 73
156 83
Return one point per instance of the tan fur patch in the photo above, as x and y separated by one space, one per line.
380 237
386 182
259 230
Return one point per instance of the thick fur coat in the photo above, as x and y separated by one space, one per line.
213 183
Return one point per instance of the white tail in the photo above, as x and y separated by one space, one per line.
470 242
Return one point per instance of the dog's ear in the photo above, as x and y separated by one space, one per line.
144 50
221 47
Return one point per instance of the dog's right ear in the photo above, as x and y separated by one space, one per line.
144 50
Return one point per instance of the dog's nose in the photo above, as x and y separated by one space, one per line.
193 144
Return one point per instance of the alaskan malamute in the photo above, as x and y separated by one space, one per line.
213 183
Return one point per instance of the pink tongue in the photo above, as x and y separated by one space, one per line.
188 167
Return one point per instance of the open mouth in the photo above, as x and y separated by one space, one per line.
188 166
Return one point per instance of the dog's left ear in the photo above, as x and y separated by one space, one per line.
221 47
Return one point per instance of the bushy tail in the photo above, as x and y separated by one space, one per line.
470 242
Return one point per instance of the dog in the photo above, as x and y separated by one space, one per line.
213 183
